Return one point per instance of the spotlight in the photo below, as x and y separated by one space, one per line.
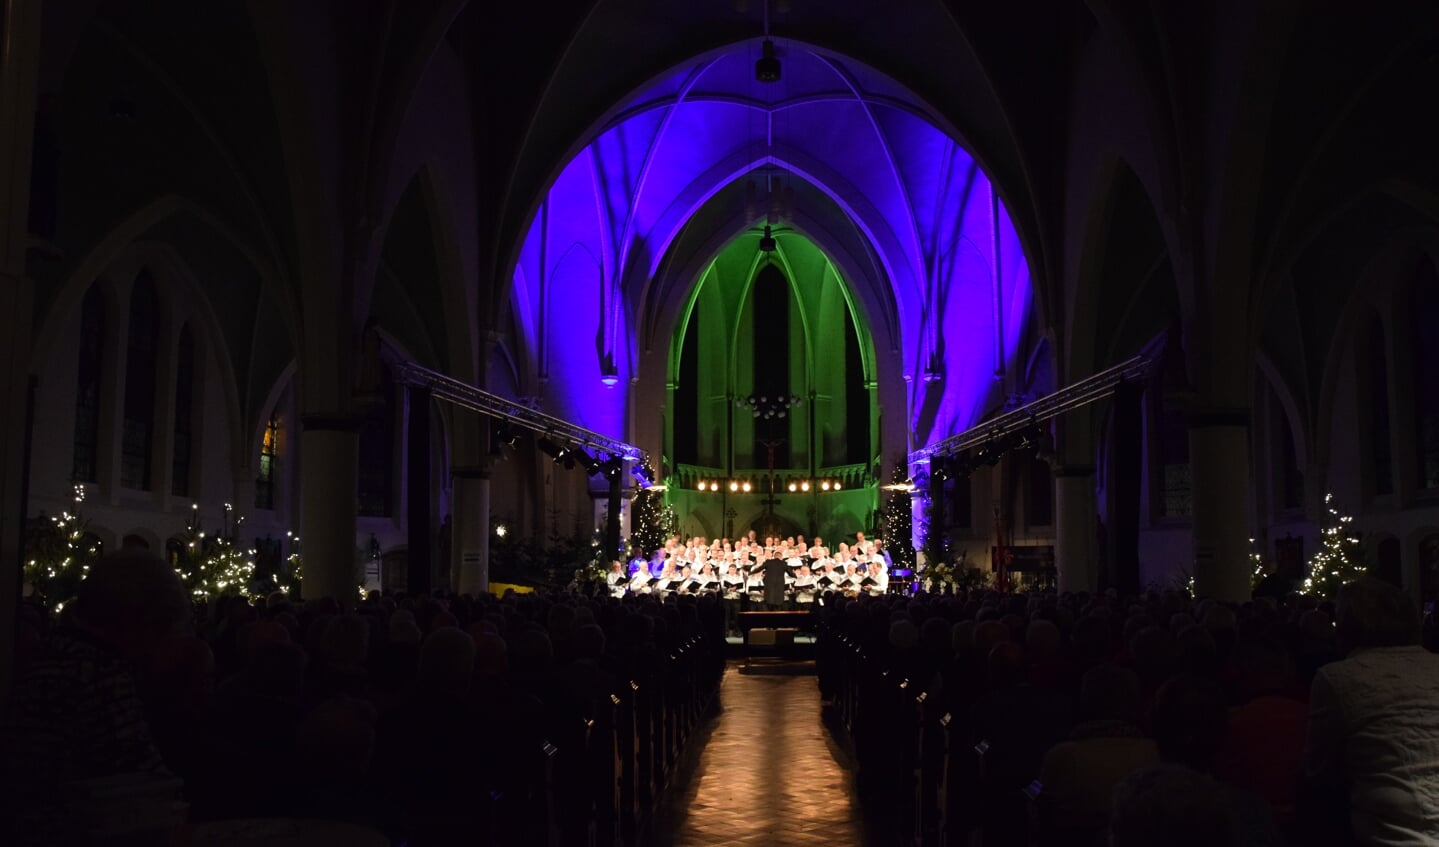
746 486
733 485
836 485
793 487
766 241
767 67
714 486
551 449
804 486
609 376
824 485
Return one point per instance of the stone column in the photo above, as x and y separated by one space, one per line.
470 525
1075 515
1219 462
329 486
19 71
422 568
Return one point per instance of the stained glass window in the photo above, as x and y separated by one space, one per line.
184 412
139 408
1426 375
84 462
269 454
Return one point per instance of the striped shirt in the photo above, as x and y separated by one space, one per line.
73 715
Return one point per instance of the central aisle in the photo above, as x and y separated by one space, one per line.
769 774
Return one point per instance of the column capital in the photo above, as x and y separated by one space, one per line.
330 423
1204 417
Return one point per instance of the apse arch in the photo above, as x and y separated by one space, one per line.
680 326
938 269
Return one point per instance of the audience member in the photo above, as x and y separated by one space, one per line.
75 714
1374 722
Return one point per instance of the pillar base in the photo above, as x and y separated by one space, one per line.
1219 461
329 485
470 523
1075 514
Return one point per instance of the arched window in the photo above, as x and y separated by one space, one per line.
1176 476
1425 314
1039 487
139 408
1291 475
1380 448
85 460
377 454
686 395
771 361
184 413
269 454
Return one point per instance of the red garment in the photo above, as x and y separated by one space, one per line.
1264 751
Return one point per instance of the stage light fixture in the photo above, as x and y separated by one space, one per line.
734 485
824 486
793 486
804 486
837 485
746 486
767 68
714 486
766 241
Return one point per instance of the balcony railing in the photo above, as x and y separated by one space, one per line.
839 478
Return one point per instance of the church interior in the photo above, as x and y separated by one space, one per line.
1061 300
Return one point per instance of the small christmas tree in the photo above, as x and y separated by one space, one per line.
1339 559
212 566
1256 567
897 531
650 518
59 553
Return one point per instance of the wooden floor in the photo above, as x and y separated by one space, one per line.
769 774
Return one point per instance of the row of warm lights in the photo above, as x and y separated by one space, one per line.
735 485
744 486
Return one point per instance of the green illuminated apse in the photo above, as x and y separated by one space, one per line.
771 361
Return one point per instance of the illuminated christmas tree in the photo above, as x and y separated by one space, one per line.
1340 557
290 575
897 531
59 553
212 566
1256 567
650 518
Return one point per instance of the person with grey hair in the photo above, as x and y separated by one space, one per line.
1170 806
75 714
1374 722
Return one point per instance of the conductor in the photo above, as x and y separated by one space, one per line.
774 574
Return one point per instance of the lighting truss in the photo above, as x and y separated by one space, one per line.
1088 390
467 396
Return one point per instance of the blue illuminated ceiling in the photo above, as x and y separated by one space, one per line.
662 185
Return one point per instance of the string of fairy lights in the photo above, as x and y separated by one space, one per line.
60 551
1340 557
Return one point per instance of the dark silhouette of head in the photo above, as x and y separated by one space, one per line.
1170 806
1189 720
1372 613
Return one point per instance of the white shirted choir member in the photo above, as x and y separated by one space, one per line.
615 579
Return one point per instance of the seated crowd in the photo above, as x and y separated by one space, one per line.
1098 719
405 715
